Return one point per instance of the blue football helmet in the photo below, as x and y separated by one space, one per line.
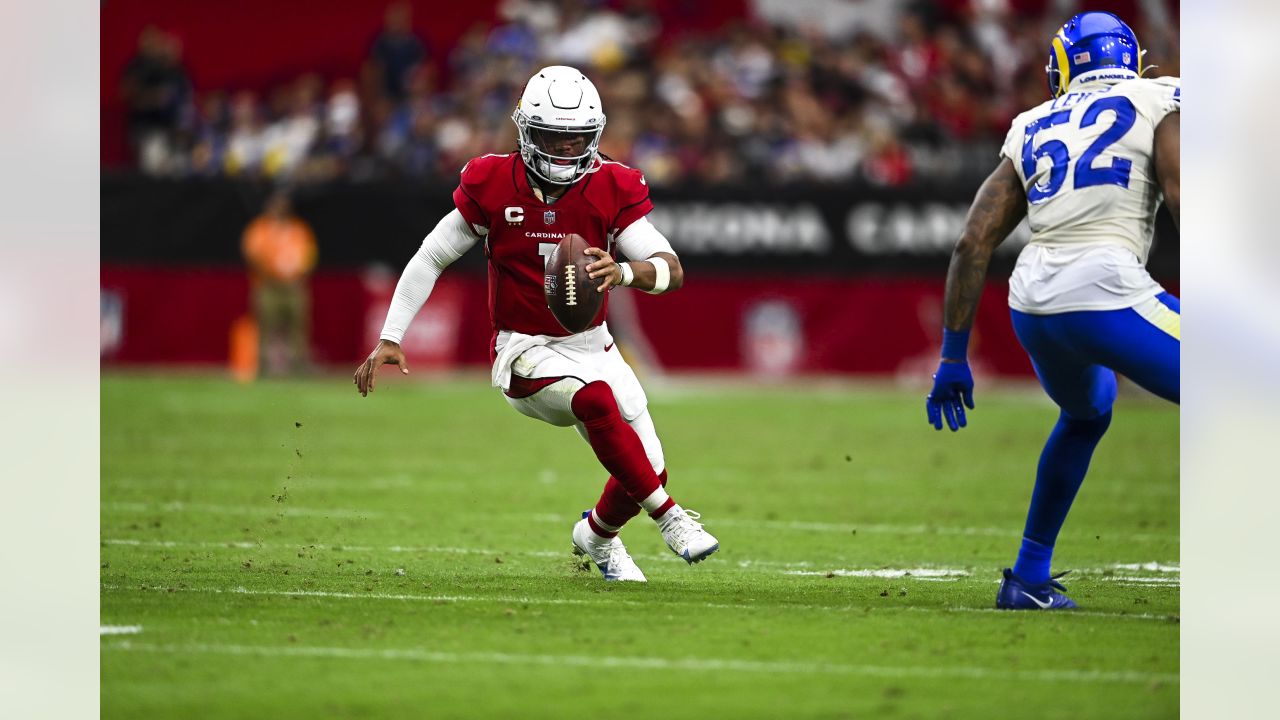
1092 41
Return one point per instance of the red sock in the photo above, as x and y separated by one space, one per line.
615 507
617 446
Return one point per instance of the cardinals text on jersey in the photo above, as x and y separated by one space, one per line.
520 230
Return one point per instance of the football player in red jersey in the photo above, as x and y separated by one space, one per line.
520 205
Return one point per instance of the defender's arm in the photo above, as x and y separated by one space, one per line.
999 206
1168 152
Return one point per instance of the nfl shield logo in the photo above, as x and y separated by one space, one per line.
549 217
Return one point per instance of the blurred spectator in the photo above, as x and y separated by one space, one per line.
157 94
288 141
280 250
598 36
806 92
397 51
340 134
209 142
468 57
887 162
516 38
246 143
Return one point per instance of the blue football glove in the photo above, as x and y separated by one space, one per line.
952 392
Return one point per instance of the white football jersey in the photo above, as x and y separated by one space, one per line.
1086 163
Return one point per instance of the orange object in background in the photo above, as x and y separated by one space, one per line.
280 249
244 349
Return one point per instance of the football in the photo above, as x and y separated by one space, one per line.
571 294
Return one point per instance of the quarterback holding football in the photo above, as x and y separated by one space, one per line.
550 218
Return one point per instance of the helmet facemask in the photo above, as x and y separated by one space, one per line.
556 154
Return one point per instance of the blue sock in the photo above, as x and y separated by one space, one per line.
1063 465
1033 561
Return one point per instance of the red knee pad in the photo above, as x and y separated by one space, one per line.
594 402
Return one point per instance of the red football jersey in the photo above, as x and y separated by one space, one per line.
495 198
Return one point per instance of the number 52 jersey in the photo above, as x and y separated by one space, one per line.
1087 165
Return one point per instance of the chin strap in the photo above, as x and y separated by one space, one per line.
538 192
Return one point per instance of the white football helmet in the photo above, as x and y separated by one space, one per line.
559 121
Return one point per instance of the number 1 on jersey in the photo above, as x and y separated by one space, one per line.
545 250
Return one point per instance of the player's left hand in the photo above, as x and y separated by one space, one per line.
952 392
604 266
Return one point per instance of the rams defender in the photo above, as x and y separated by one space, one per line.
1088 170
518 206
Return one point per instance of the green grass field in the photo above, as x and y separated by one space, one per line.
292 550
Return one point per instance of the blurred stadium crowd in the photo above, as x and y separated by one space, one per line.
799 92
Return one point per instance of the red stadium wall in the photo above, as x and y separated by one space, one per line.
774 326
249 44
184 316
870 324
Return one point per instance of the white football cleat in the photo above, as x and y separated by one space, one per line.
609 554
685 536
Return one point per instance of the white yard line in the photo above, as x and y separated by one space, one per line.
791 525
1165 574
657 663
244 545
906 573
435 599
175 544
424 549
895 529
956 574
1136 580
1014 613
212 509
802 568
510 600
119 629
1149 567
